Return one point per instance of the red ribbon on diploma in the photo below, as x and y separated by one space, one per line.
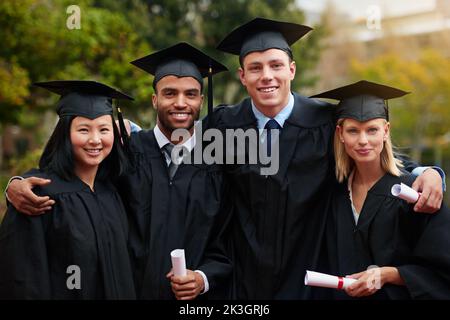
340 283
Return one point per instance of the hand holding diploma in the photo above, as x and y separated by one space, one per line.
318 279
404 192
186 284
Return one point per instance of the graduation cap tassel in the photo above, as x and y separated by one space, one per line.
210 89
123 129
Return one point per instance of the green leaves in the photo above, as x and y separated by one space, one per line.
38 46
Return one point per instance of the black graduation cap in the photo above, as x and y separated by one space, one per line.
181 60
89 99
362 100
261 34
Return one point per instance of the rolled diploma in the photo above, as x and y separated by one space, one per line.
318 279
404 192
178 262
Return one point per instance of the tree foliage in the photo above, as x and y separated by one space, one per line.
37 45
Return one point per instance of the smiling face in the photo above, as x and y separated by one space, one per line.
92 141
364 141
267 75
177 102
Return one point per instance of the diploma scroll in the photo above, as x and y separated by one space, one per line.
317 279
404 192
178 262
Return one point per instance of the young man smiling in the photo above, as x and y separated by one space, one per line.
267 77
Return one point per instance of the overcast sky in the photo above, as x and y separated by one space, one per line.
358 8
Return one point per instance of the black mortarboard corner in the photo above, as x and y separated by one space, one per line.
181 60
89 99
362 100
261 34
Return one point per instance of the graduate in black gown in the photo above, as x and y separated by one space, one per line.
409 252
278 220
176 206
78 250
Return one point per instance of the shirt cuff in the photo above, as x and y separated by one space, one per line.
7 185
419 170
134 127
205 281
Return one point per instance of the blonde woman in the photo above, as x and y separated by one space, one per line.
376 238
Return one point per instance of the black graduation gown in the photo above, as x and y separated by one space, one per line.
279 221
390 233
84 228
165 215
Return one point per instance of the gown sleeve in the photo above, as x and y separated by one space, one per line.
24 269
137 205
429 276
408 164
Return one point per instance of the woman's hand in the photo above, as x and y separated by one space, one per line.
372 280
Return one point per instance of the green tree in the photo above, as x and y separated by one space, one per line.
38 46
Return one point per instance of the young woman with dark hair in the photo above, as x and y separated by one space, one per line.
57 156
79 249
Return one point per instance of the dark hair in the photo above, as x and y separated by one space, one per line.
58 155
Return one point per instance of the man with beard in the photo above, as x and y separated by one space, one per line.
175 206
170 204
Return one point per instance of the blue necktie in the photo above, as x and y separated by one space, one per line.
271 124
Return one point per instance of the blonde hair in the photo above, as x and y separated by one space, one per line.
345 164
